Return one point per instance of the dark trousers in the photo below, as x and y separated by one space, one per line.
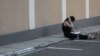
74 36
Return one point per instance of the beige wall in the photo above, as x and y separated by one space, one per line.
94 8
76 8
13 16
48 12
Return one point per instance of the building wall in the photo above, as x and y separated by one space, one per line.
48 12
13 16
94 8
76 8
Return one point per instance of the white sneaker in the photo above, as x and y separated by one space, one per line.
91 37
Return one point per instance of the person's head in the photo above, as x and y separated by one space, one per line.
72 18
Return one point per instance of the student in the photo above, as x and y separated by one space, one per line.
68 30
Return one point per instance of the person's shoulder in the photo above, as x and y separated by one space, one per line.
65 23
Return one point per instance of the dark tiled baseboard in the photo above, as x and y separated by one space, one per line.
29 34
87 22
44 31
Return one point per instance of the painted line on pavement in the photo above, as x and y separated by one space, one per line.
25 50
87 41
59 48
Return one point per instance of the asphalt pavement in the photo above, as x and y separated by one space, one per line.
70 48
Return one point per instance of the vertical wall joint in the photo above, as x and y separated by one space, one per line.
32 14
87 8
64 10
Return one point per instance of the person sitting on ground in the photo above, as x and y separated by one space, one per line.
69 31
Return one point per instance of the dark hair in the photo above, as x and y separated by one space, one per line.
66 19
72 18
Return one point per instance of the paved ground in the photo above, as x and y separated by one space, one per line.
42 46
28 46
70 48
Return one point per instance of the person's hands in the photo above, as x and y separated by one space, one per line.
71 23
69 20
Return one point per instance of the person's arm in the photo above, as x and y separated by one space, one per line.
70 22
73 30
67 24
